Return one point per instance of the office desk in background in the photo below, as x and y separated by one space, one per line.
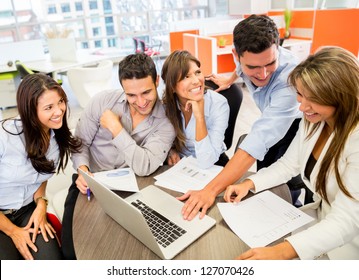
299 47
97 236
84 58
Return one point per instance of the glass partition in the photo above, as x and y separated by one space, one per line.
95 23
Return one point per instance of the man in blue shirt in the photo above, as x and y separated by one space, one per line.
264 67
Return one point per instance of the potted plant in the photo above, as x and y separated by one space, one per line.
287 20
222 42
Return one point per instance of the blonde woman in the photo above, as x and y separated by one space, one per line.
326 153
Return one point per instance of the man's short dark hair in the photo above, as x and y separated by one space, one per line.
255 34
137 66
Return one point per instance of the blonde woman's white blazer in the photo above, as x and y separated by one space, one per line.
336 232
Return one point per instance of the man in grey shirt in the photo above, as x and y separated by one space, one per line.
126 128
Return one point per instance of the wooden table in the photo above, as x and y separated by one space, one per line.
97 236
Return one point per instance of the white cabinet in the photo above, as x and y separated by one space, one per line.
301 48
8 86
245 7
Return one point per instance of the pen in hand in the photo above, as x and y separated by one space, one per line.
88 194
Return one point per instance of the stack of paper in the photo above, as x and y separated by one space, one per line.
186 175
122 179
262 218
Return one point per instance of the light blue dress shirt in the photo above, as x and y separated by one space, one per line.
278 103
208 150
18 178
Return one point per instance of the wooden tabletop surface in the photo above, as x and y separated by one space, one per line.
98 237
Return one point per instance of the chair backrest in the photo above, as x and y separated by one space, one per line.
234 96
22 69
136 44
143 46
85 82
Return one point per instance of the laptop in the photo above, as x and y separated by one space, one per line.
152 216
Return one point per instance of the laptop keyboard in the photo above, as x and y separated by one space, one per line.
165 231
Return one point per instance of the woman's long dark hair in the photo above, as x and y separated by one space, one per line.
37 140
175 69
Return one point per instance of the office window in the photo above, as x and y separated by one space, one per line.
220 7
6 36
7 17
21 5
98 44
93 5
96 31
51 9
108 20
65 7
107 6
112 42
303 4
95 19
24 19
110 30
85 45
278 4
81 32
78 6
30 33
135 23
6 14
6 11
159 20
292 4
339 4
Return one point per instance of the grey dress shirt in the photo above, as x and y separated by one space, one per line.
143 149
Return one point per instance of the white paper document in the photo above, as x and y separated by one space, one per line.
262 218
122 179
186 175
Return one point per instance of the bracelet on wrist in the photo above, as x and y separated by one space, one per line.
43 198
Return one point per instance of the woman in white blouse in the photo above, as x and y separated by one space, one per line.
33 146
326 153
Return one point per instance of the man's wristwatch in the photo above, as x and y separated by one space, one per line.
43 198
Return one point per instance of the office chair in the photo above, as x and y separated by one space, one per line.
142 47
234 96
149 50
87 81
22 69
136 44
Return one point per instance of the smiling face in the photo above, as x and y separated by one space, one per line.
51 108
313 111
259 67
141 94
192 86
